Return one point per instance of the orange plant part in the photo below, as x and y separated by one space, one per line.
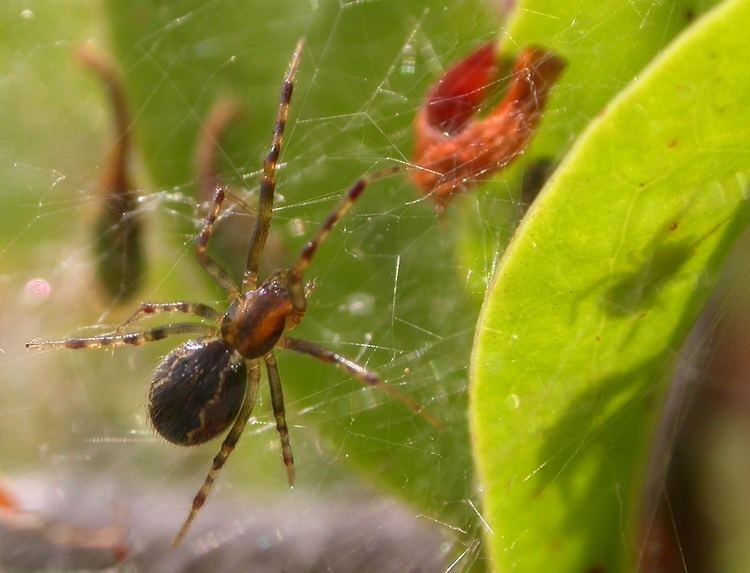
453 150
8 501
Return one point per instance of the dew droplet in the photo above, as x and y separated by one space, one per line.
408 60
37 290
296 227
359 304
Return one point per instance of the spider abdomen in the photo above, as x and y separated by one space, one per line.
197 391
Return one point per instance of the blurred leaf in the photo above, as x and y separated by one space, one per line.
594 296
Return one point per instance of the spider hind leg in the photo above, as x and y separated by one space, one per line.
277 402
227 447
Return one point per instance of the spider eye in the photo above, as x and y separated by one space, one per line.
197 391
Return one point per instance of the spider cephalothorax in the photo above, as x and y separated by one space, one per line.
255 322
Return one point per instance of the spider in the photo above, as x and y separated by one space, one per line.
210 383
454 150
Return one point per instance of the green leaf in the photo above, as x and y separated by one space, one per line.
595 294
606 44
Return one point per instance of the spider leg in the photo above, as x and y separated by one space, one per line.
130 339
227 446
268 179
277 401
201 247
147 309
341 209
296 288
365 376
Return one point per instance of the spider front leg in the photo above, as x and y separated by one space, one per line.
296 289
268 179
130 339
365 376
147 309
277 401
227 447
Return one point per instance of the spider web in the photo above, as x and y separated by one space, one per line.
393 290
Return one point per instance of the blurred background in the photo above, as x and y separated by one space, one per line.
387 294
394 291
